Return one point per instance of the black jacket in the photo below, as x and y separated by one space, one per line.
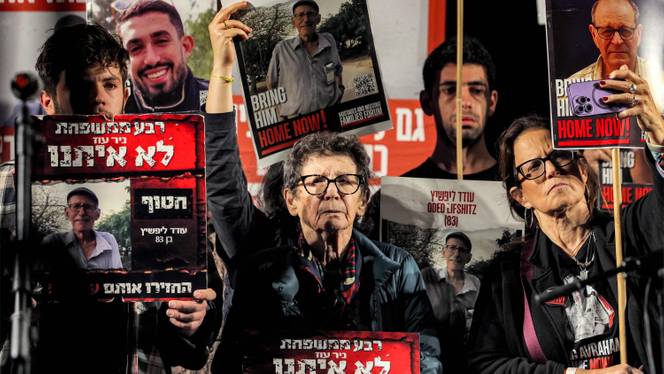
496 342
259 258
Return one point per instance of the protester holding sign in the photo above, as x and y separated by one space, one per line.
84 69
617 34
555 191
310 271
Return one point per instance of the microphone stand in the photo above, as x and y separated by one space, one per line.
649 265
24 86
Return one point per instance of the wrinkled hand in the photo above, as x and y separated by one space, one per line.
222 30
616 369
642 105
188 316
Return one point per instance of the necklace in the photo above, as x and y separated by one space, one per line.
583 266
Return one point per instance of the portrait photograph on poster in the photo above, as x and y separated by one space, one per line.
122 201
169 50
417 214
309 66
580 117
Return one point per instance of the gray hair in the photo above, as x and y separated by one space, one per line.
631 3
327 144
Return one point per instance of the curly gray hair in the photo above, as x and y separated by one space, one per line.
326 144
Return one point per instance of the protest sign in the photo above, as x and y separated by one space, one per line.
631 191
292 92
579 58
134 184
338 352
417 214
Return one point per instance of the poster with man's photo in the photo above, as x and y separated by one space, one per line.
630 190
417 214
170 57
309 66
121 204
585 44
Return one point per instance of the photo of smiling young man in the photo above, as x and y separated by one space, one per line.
153 33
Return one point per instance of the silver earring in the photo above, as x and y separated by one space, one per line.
526 218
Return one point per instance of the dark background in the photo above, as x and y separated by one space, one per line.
510 32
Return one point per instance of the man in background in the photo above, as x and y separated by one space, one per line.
84 70
452 293
479 100
616 32
308 66
153 33
90 249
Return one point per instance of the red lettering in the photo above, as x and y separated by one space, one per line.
600 128
574 128
607 194
640 192
272 135
611 127
562 130
600 362
627 196
308 124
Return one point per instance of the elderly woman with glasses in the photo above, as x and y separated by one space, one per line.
556 192
309 270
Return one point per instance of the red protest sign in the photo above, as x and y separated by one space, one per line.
338 351
129 144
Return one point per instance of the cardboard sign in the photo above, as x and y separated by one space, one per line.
579 116
292 91
340 352
147 175
417 214
635 182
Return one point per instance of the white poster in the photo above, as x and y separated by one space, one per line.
417 214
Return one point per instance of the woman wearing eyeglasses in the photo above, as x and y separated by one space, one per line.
556 192
308 271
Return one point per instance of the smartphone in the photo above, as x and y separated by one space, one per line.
585 99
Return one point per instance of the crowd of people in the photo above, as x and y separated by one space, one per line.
306 260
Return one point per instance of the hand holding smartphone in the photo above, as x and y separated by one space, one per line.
585 99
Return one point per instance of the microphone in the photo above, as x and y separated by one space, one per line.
651 265
24 85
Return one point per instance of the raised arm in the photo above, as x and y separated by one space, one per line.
229 202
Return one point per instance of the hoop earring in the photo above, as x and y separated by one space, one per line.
532 218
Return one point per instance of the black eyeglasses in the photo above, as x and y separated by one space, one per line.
347 184
536 167
307 14
86 207
457 248
607 33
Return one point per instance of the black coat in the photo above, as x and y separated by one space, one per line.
496 342
260 256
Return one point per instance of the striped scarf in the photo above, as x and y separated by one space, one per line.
349 268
